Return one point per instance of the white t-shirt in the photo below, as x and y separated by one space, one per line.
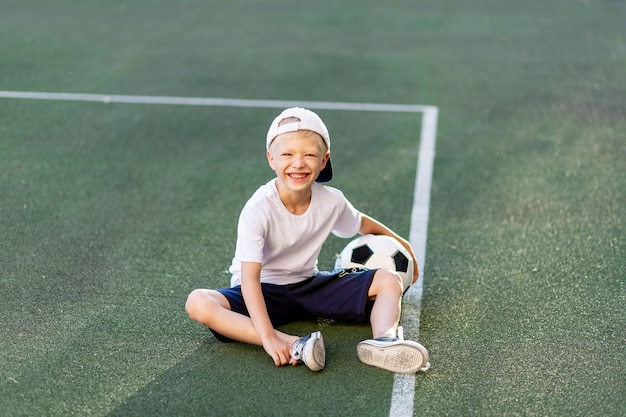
287 245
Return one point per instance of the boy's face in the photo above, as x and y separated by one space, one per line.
297 158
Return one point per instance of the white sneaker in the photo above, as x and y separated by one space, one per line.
310 350
392 354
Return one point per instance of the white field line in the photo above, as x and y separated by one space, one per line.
223 102
403 392
404 385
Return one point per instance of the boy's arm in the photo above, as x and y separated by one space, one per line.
279 350
372 226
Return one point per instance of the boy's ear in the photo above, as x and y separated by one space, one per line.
270 160
325 160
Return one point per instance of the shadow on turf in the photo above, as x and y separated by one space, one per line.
237 379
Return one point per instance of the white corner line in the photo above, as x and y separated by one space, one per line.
403 393
222 102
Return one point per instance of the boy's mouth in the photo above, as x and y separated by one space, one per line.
297 177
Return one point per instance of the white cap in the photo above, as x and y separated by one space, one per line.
307 121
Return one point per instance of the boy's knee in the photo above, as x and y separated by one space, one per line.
202 305
388 279
196 303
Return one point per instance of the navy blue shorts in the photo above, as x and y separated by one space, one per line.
338 295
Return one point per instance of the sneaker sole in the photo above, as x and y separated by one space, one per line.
314 357
402 356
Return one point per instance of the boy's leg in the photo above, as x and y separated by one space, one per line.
211 308
385 350
386 289
214 310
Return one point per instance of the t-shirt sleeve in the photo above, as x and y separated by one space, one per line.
349 220
250 236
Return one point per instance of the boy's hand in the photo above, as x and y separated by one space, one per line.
416 272
279 350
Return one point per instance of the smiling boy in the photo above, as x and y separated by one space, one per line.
275 279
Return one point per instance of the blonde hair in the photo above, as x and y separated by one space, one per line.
306 133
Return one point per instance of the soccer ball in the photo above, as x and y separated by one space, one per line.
377 251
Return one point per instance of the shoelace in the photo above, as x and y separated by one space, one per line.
296 350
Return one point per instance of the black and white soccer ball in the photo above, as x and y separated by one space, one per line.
377 251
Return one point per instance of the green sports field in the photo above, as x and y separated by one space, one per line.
111 213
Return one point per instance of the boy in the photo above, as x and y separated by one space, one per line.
275 279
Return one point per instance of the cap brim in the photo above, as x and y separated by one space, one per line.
326 174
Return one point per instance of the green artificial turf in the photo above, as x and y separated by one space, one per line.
110 214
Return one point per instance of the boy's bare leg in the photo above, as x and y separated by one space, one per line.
387 289
388 352
212 309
